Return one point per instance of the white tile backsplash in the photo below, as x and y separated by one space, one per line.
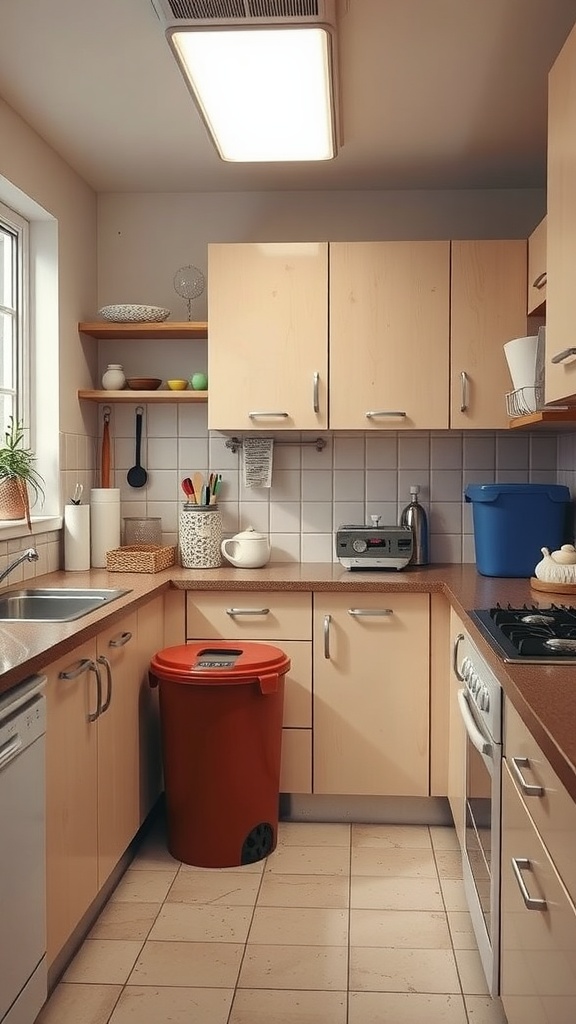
313 492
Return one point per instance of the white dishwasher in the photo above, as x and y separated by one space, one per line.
23 984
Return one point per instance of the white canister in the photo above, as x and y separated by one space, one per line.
200 537
76 537
104 523
113 378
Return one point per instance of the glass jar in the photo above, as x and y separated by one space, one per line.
142 530
113 378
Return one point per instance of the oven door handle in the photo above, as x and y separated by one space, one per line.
483 746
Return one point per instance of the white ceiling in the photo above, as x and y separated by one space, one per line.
434 94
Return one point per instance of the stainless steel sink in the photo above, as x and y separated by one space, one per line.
58 605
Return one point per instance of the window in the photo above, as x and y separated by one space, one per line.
14 397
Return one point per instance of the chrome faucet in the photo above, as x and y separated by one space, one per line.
30 555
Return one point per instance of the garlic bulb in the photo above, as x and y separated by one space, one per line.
551 570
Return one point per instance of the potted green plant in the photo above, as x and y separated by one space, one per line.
17 474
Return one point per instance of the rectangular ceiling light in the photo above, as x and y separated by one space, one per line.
265 94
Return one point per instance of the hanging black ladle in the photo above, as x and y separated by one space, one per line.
137 476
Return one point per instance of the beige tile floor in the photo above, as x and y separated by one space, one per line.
342 924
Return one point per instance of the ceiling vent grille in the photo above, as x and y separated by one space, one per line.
215 12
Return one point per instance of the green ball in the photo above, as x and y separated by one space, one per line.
199 382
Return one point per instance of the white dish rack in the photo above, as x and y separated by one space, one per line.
524 401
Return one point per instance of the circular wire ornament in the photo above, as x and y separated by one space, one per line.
189 282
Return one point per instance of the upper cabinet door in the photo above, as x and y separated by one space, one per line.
389 327
488 309
537 268
561 236
268 336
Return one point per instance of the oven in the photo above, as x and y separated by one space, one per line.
479 718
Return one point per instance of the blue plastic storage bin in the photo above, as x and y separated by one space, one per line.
512 522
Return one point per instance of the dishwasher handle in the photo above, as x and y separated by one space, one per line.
10 750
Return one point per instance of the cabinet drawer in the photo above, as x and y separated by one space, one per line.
257 615
538 946
296 764
553 810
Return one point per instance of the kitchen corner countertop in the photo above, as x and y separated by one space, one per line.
544 695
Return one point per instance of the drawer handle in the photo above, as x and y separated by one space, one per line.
565 354
457 643
315 395
373 413
463 391
520 864
539 281
357 612
120 641
255 415
72 673
527 788
247 611
327 621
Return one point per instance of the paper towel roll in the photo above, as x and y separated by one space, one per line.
76 537
104 523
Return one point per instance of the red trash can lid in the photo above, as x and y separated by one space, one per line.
221 662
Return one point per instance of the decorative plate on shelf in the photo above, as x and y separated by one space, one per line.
134 314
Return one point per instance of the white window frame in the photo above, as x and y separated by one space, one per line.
22 397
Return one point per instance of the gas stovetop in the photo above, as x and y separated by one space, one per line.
535 635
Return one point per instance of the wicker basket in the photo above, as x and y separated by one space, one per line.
140 558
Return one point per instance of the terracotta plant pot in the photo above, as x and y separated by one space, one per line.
14 500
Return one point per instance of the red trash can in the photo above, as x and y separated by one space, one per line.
221 710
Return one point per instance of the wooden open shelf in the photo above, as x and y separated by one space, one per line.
552 418
143 396
170 330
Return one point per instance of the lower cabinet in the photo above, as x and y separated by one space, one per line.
371 694
538 885
456 737
96 746
285 621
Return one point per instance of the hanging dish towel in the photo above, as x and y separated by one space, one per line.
257 452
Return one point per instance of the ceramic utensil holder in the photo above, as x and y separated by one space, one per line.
200 537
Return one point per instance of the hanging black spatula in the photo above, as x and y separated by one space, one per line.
137 476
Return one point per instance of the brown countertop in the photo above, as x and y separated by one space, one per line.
544 695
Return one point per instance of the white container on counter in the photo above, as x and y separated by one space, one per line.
76 537
104 523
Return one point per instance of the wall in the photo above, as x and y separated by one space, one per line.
144 239
61 209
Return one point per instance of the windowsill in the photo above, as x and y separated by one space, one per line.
11 529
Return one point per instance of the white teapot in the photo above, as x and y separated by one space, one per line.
247 550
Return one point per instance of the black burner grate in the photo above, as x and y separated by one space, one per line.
540 634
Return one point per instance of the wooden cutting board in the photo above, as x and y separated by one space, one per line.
552 588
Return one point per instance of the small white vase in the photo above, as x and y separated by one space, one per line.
113 378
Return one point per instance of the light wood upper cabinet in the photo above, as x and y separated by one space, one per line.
268 336
488 309
371 694
560 378
389 327
537 275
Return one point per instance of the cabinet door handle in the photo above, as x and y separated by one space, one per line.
247 611
73 673
520 864
255 415
516 764
373 413
463 391
315 391
103 660
539 281
327 621
120 641
86 665
457 671
565 354
370 611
